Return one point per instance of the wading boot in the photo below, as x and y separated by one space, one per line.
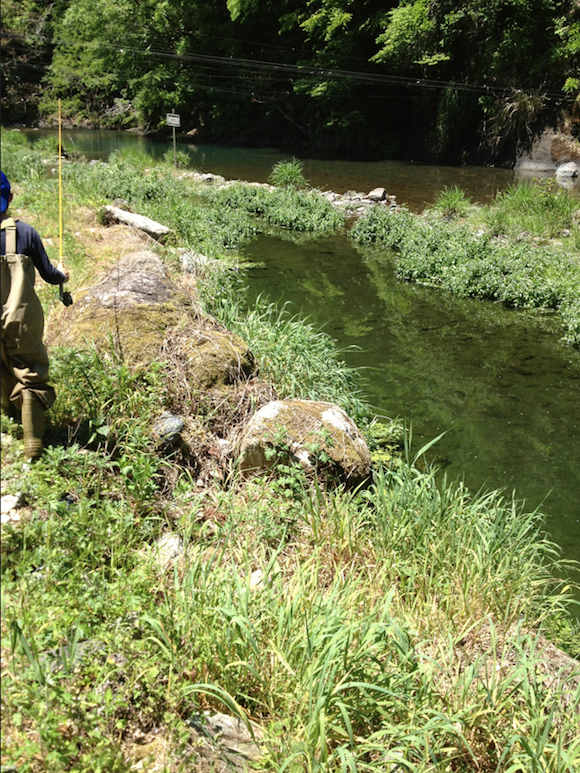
32 425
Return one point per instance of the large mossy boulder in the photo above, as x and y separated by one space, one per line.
138 309
318 435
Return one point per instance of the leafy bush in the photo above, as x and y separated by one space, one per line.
287 208
180 159
454 256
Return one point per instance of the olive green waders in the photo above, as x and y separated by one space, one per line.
24 374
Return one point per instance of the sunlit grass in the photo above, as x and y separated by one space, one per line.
395 628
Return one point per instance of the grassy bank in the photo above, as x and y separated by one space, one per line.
405 627
523 250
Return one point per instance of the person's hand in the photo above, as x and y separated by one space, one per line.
63 270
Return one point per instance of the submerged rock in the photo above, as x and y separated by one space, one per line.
318 435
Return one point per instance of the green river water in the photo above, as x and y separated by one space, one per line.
499 382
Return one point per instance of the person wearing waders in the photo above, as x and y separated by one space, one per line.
24 373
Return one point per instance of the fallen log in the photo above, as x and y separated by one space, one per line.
142 223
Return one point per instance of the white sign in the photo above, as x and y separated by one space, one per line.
173 119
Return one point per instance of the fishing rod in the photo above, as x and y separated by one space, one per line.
63 296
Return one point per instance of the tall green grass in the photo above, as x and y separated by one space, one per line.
393 627
288 174
540 209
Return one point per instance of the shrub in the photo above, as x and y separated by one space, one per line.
288 174
452 203
181 159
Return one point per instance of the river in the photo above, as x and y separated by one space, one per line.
500 383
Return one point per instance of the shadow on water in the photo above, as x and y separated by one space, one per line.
498 381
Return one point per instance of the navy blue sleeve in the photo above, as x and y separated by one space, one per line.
28 242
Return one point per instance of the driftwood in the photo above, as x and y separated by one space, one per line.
142 223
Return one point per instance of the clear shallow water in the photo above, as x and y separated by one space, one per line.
499 382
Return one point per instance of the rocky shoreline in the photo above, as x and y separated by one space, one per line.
352 203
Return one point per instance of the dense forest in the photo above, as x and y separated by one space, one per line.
425 79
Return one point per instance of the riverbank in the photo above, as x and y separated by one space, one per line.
399 625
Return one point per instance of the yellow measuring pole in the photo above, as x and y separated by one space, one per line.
59 184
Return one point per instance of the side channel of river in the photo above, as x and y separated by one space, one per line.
500 383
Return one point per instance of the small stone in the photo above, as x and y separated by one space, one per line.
168 427
377 194
256 579
11 502
167 549
13 516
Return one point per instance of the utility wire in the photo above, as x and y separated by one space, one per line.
254 65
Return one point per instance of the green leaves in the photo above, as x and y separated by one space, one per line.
500 261
407 33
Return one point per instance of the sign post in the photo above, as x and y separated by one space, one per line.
173 119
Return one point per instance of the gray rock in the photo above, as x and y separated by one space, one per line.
377 194
227 739
140 222
318 435
11 502
138 277
168 427
567 170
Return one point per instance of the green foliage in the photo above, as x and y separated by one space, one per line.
180 159
122 64
19 162
288 174
519 272
452 203
286 207
514 117
386 439
407 34
541 209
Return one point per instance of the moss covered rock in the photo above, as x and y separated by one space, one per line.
147 317
318 435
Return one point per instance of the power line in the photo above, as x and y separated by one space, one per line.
304 71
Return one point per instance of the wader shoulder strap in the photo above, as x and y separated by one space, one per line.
9 225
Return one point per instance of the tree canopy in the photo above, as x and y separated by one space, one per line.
454 81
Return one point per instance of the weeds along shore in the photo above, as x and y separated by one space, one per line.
411 626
